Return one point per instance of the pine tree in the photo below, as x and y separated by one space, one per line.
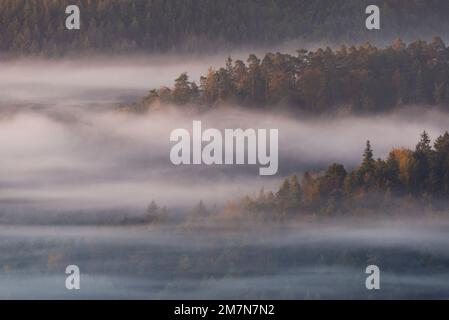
295 193
439 93
229 67
255 77
283 196
424 144
152 208
200 210
441 165
181 92
368 160
365 177
421 170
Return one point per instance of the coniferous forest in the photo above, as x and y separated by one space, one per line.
406 183
408 179
360 79
152 26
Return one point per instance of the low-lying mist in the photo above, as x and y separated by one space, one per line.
310 262
103 79
69 155
76 158
66 146
94 80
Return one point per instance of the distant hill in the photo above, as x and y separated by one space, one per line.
123 26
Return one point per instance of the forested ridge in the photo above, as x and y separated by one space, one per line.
410 182
408 179
129 26
362 79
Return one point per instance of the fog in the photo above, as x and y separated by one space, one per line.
74 158
111 79
95 80
65 147
314 262
104 79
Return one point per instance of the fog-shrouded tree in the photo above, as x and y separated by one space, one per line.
362 79
378 184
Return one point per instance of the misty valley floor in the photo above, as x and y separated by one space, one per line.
271 262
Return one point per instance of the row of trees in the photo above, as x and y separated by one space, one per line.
155 214
407 179
364 79
123 26
419 176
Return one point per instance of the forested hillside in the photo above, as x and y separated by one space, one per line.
407 182
363 79
418 177
123 26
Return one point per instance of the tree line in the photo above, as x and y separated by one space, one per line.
129 26
406 181
407 177
361 79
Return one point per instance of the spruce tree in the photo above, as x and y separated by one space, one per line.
368 160
424 144
295 193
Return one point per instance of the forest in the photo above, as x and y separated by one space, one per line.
407 180
37 27
418 177
360 79
85 123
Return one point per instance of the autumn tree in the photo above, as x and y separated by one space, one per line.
182 91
